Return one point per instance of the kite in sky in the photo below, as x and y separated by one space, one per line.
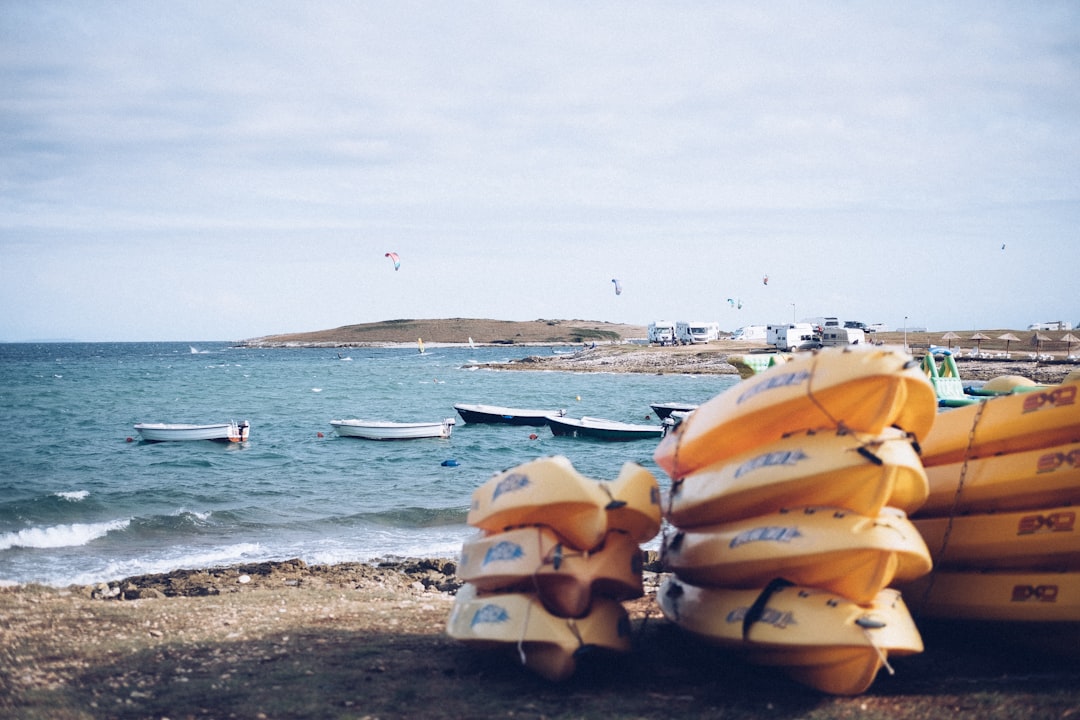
618 286
765 280
393 256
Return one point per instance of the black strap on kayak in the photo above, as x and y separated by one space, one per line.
757 610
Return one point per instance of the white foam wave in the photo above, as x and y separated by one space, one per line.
59 536
73 495
207 558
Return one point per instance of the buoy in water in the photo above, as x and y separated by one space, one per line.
450 463
319 434
579 398
129 439
533 436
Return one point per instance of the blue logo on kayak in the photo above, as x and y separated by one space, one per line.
766 534
780 380
769 616
510 483
787 457
490 614
503 551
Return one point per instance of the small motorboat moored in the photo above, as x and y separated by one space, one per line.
505 415
601 429
175 432
386 430
664 410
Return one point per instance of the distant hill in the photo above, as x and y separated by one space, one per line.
459 330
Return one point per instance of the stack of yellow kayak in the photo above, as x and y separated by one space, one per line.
555 555
1000 518
788 507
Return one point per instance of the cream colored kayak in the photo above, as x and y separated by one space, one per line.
536 559
1005 424
1047 539
858 472
1015 481
1016 596
550 491
820 639
862 388
848 554
518 624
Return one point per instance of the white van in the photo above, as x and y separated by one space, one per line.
662 332
794 336
751 333
697 332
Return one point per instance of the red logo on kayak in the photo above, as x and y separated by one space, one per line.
1052 461
1037 593
1063 521
1065 395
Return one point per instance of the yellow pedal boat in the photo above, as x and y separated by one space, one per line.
1014 481
518 624
535 559
550 491
1005 424
860 388
855 471
820 639
1015 596
848 554
1047 539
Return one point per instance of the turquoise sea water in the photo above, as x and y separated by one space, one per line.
81 503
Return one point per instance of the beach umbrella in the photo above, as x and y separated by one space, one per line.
978 338
1038 339
1070 338
1008 338
950 336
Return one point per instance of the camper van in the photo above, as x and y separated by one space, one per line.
837 336
794 336
662 332
696 332
751 333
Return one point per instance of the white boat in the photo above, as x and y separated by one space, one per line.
172 432
386 430
602 429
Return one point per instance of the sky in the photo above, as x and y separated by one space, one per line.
227 170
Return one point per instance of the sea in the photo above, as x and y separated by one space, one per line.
83 500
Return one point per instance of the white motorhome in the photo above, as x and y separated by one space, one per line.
838 336
662 331
697 332
792 336
751 333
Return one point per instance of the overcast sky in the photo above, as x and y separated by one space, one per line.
226 170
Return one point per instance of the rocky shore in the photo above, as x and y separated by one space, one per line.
288 640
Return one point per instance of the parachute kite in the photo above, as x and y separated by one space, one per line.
393 256
735 303
618 286
765 280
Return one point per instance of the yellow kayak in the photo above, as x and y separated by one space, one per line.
550 491
1016 596
848 554
518 624
1047 539
536 559
820 639
860 388
855 471
1005 424
1015 481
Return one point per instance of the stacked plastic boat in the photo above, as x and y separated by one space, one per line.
788 508
1000 519
555 555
